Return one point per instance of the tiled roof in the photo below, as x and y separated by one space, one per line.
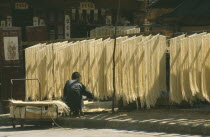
191 8
165 4
113 4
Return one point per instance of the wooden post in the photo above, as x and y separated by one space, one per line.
114 52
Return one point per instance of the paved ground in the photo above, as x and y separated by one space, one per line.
33 131
182 121
189 121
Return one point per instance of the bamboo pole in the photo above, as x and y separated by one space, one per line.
114 63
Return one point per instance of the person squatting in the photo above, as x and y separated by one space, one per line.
73 92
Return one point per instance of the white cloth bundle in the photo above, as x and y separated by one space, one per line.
175 56
189 74
140 68
205 70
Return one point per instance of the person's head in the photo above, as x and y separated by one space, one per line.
76 76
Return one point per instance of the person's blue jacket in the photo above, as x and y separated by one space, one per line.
73 92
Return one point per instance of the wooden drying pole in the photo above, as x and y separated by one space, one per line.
114 53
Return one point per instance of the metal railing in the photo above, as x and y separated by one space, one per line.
40 95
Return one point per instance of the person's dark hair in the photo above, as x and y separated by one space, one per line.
75 75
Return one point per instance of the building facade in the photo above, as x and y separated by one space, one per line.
44 20
155 10
51 19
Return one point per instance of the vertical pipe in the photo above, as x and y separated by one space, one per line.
114 52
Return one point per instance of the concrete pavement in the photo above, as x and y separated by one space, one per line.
184 121
187 121
35 131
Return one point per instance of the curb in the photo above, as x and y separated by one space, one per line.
134 125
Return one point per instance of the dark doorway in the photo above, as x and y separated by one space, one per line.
23 18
